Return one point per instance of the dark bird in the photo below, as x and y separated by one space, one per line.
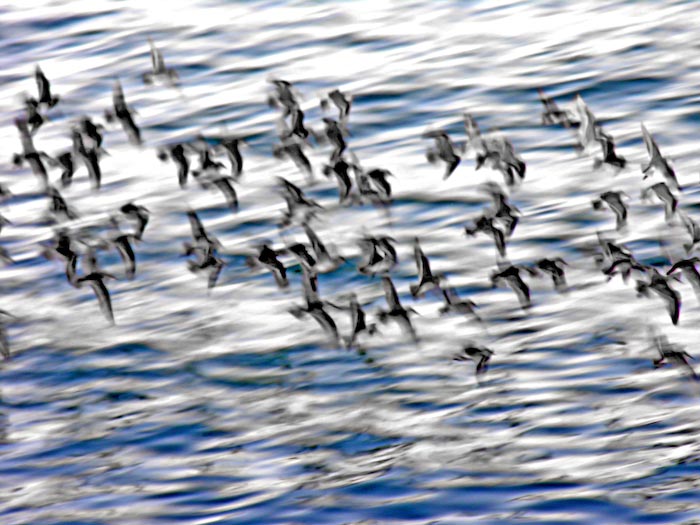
89 157
283 96
59 206
34 118
511 275
44 87
369 192
292 150
662 191
501 152
340 170
379 253
123 114
444 150
614 201
672 353
689 271
486 225
29 153
176 153
158 67
297 203
427 280
65 161
296 127
92 131
223 183
208 261
302 255
479 354
138 213
377 177
358 322
396 310
659 284
609 155
232 147
96 281
202 239
122 242
269 258
507 213
314 306
454 303
657 161
341 101
552 114
693 229
334 134
555 269
326 261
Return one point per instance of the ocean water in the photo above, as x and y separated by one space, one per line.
219 406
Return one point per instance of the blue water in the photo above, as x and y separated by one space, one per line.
219 406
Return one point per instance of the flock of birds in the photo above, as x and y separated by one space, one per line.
78 248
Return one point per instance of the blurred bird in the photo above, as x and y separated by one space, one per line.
158 67
657 161
341 101
396 311
614 201
552 114
664 194
123 114
427 280
176 153
444 150
44 87
479 354
511 275
96 281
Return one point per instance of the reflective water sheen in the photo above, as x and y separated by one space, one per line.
221 407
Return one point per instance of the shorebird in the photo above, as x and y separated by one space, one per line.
176 152
689 271
427 280
296 125
340 169
223 183
609 155
453 303
283 96
326 261
693 229
269 259
96 281
614 201
315 307
138 213
444 150
334 134
44 87
29 153
555 268
158 67
672 353
396 310
341 101
89 158
501 153
202 240
589 132
379 253
123 114
297 203
552 114
208 260
662 191
358 322
479 354
231 146
511 275
486 225
291 149
59 206
504 211
659 284
657 161
34 118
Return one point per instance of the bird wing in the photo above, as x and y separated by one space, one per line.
392 297
226 186
521 290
